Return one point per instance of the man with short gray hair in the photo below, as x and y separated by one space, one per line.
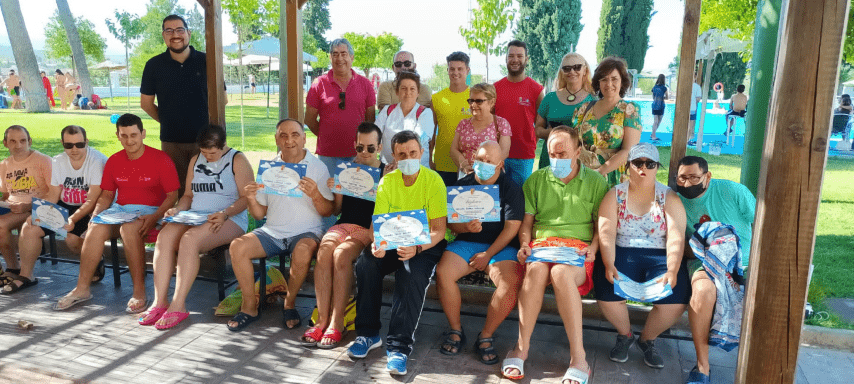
335 105
403 61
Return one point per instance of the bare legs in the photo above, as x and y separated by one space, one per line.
333 280
304 251
189 243
655 124
662 317
8 222
90 256
29 247
700 312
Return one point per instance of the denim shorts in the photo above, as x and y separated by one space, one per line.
274 246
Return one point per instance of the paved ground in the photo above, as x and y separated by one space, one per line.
98 342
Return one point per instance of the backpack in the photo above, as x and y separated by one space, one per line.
418 112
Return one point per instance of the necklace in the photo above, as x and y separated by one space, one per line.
570 97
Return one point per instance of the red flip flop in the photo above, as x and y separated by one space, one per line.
333 334
315 333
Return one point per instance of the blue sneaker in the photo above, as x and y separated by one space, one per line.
362 345
396 363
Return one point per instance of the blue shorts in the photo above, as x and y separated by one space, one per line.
467 249
273 246
641 265
693 116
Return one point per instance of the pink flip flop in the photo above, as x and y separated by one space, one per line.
171 319
152 315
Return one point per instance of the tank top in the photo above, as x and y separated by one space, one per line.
214 187
641 231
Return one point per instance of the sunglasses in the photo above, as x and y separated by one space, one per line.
476 101
80 145
639 164
341 104
576 68
361 148
406 63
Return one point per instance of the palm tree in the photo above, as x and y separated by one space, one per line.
25 58
81 70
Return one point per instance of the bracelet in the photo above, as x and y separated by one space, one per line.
226 215
418 249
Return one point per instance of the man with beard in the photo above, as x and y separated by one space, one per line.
178 77
519 96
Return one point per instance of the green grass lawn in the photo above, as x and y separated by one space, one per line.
834 249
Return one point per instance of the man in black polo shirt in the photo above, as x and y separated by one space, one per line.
491 247
178 77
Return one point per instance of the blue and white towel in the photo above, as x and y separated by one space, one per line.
717 246
120 214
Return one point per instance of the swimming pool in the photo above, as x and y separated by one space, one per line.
715 122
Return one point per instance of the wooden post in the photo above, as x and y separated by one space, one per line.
284 99
789 192
294 63
213 51
690 31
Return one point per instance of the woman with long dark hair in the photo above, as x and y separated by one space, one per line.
659 94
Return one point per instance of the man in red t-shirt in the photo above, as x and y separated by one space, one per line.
519 96
147 185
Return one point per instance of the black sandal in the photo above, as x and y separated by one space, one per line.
8 276
289 314
12 287
490 350
450 346
100 271
242 319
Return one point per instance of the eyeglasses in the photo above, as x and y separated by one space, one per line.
406 63
576 68
639 164
476 101
361 148
81 145
694 179
341 104
172 31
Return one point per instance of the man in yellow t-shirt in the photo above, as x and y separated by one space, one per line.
450 106
410 187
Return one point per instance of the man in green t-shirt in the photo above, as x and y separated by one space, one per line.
706 199
410 187
558 241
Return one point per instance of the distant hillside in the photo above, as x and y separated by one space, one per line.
7 58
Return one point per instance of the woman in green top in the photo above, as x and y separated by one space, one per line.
573 85
611 126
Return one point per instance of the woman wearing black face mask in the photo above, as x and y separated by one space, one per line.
641 237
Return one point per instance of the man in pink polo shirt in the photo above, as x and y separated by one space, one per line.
519 96
341 99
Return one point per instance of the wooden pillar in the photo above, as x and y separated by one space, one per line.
213 51
291 100
790 179
690 32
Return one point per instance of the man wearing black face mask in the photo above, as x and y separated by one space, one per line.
707 199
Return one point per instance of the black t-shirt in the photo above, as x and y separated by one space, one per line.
512 208
357 211
182 94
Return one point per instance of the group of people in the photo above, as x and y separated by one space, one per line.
67 89
591 214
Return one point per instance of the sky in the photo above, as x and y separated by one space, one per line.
429 28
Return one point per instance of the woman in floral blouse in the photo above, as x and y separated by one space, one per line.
611 125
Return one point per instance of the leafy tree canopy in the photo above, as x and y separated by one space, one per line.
490 19
151 43
373 51
56 40
551 29
736 16
623 31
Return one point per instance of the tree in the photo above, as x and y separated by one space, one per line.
440 79
315 22
25 57
729 69
373 51
126 28
78 58
56 40
551 29
736 16
848 47
151 43
623 31
490 19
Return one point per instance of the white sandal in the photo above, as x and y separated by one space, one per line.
577 375
511 363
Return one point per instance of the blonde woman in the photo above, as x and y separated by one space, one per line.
574 87
483 126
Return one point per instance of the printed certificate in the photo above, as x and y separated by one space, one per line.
479 202
357 180
647 292
49 216
401 229
280 178
188 218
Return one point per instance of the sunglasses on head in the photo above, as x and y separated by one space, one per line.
406 63
639 164
576 68
81 145
341 104
476 101
361 148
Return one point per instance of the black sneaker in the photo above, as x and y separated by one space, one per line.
620 352
650 354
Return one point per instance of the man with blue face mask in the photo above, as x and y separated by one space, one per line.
489 247
410 187
558 243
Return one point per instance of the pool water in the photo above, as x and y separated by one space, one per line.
715 122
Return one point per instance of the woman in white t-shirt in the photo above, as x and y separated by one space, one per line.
216 180
75 184
407 115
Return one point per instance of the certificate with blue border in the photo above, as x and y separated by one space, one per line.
188 218
647 292
474 202
280 178
356 180
401 229
49 216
